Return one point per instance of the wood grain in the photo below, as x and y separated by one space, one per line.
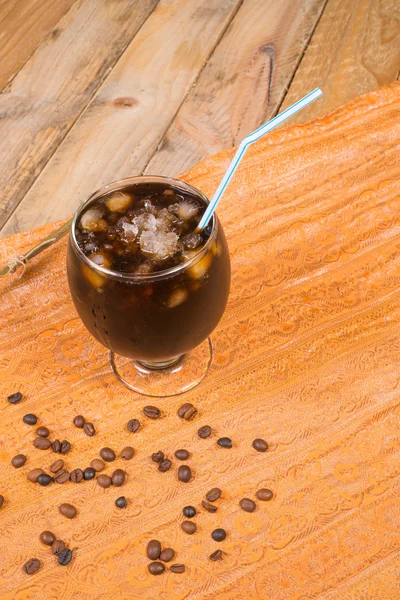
122 127
23 24
43 101
355 48
243 83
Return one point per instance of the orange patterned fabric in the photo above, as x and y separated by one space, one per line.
307 357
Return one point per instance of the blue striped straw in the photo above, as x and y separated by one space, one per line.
252 137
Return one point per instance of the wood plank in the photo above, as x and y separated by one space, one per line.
23 24
355 49
120 130
243 83
49 93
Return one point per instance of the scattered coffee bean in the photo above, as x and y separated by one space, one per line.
89 473
56 446
127 453
260 445
133 425
30 419
48 538
76 475
89 429
157 457
167 554
31 566
189 512
65 447
44 479
104 481
213 494
152 412
1 500
247 505
204 432
65 557
153 550
218 535
184 473
209 507
121 502
156 568
79 421
264 494
217 555
187 411
18 461
15 398
118 477
107 454
177 568
189 527
225 442
34 474
97 464
42 443
182 454
43 432
57 547
68 510
57 465
62 476
164 465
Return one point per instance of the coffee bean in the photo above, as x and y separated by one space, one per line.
67 510
79 421
127 453
104 481
107 454
15 398
65 447
1 500
154 549
48 538
184 473
44 479
56 446
57 465
167 554
43 432
217 555
213 494
189 527
121 502
152 412
89 473
57 547
118 477
156 568
264 494
189 512
187 411
76 475
30 419
31 566
165 465
247 505
218 535
157 457
18 461
260 445
204 432
62 476
65 557
209 507
133 425
225 442
34 474
97 464
182 454
177 568
89 429
42 443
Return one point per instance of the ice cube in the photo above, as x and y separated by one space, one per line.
145 222
187 210
130 231
168 192
119 202
177 297
191 241
148 206
159 244
100 259
95 279
91 220
200 268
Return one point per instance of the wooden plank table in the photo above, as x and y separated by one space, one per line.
96 90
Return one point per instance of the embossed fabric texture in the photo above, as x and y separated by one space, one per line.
307 357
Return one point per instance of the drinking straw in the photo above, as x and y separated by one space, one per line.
252 137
